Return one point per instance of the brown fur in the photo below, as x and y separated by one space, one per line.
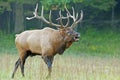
45 42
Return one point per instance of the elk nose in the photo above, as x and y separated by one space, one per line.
78 34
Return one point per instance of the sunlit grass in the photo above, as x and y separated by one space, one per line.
65 67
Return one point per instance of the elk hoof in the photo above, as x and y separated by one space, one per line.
48 77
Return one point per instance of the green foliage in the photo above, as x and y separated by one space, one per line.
100 4
60 3
4 6
1 10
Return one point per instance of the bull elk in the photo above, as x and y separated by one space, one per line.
46 42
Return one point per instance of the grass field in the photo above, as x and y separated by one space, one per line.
95 57
64 68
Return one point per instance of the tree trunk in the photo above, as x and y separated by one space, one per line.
8 22
112 19
19 18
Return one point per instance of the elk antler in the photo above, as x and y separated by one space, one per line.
62 17
74 17
46 21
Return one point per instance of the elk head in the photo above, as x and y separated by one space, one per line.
67 31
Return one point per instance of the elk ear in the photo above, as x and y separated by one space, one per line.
59 28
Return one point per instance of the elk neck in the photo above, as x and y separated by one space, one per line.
63 34
64 44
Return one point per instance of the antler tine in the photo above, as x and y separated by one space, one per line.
73 14
34 13
50 17
42 16
77 21
81 17
74 17
61 18
42 11
68 11
68 20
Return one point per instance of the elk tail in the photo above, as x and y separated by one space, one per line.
16 35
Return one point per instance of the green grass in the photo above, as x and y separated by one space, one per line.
7 44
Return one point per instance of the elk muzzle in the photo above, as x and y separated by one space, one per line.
76 37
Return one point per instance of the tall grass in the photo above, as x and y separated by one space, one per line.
64 68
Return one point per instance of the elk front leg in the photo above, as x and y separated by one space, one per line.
48 60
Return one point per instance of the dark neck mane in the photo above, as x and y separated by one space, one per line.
64 45
61 49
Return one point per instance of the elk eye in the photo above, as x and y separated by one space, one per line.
68 32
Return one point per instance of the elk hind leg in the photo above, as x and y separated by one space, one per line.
16 67
23 59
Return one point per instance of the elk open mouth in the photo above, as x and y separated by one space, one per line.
76 38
